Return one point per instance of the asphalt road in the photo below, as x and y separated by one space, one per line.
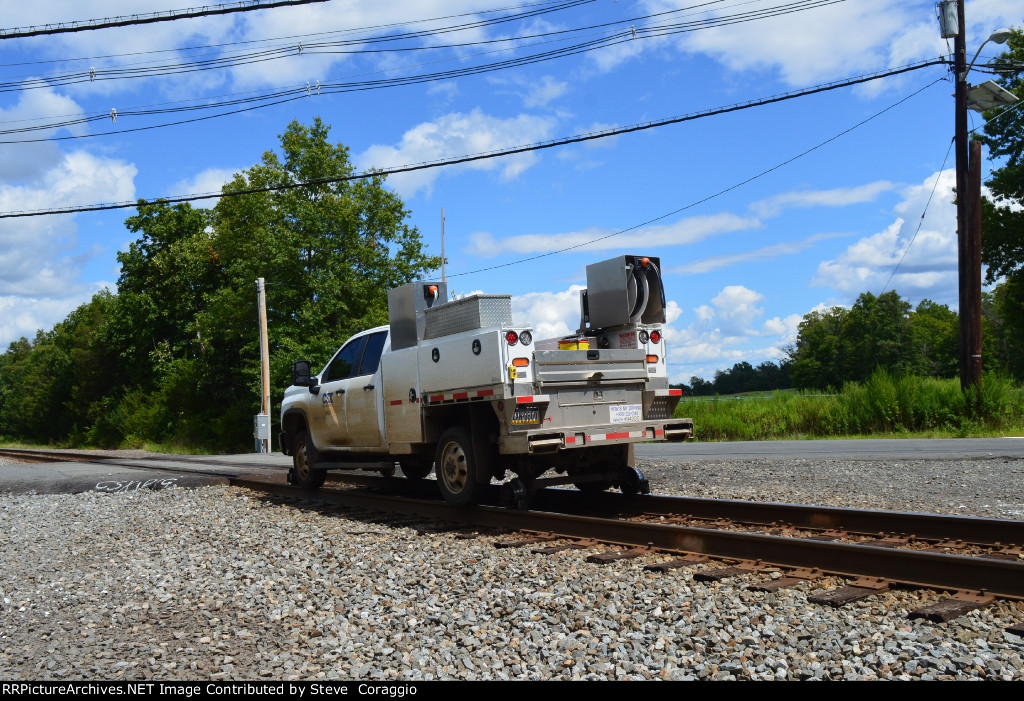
854 449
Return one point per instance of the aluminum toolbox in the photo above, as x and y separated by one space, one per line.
467 314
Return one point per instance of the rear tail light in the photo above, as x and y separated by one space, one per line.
644 336
511 337
521 362
526 338
655 337
652 359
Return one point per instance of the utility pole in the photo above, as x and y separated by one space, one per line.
262 422
988 95
444 278
968 226
963 202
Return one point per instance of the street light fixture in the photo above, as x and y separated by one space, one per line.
999 36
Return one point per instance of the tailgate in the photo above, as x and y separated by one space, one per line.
590 367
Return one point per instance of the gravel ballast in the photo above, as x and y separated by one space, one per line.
220 583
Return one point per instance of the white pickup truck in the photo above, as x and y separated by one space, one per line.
457 387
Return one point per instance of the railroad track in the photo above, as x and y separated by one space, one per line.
976 559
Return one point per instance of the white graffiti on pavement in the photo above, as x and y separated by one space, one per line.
135 485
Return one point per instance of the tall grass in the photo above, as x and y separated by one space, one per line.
884 404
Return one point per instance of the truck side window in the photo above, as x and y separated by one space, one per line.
371 357
345 361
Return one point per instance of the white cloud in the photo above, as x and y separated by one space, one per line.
24 316
28 161
836 197
727 260
816 45
735 308
38 264
209 180
542 93
281 28
553 314
929 255
720 333
682 232
458 134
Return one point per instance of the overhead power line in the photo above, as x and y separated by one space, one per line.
293 37
499 153
387 44
297 46
268 99
147 18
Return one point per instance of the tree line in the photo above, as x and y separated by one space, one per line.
173 356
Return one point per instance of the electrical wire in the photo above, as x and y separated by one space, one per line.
147 18
373 173
291 37
296 93
292 50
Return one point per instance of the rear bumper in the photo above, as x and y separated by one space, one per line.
548 440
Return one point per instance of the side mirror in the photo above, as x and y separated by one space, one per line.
301 375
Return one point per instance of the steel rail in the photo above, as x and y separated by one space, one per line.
968 529
999 577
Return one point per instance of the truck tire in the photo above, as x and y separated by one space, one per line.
304 474
456 468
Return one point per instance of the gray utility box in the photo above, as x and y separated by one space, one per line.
261 430
406 305
468 314
625 290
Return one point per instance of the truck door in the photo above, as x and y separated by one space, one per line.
364 387
329 426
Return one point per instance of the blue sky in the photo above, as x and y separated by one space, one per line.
741 267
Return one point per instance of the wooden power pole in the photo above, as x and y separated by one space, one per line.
968 220
263 420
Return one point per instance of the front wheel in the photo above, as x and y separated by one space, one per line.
456 468
304 474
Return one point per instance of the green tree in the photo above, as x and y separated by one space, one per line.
935 331
175 354
878 334
820 355
837 345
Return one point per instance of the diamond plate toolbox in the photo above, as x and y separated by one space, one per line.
468 314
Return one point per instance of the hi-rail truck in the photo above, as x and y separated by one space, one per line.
457 388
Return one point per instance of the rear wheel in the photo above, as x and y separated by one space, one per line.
304 473
456 468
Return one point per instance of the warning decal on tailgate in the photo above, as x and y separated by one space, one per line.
627 339
624 413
